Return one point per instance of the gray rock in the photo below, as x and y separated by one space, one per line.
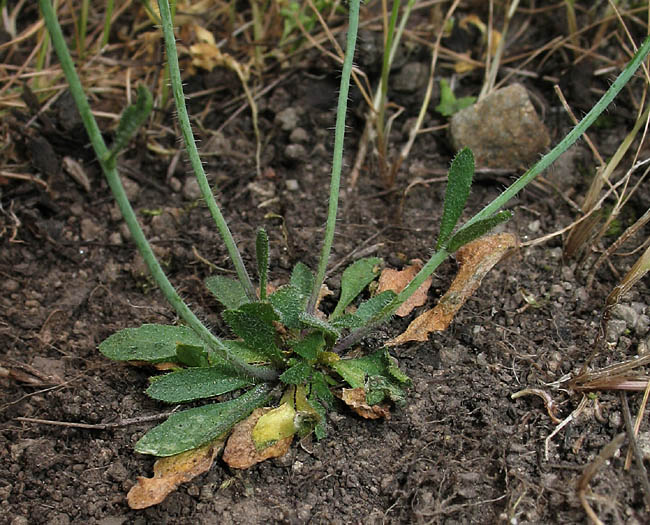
411 77
191 190
642 325
615 329
287 119
295 152
626 313
298 135
503 130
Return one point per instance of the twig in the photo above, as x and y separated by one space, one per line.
641 472
590 471
98 426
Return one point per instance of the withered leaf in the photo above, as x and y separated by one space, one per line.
396 281
170 472
240 451
475 260
355 398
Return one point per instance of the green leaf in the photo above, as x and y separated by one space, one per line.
153 343
297 374
309 347
195 383
192 355
194 427
377 374
330 333
289 303
273 426
320 430
302 278
132 118
245 352
459 182
355 278
366 311
262 253
449 104
321 389
229 292
476 230
253 322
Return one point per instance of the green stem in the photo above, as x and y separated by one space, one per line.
337 160
193 153
110 5
438 257
130 218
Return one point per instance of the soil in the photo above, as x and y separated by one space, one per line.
461 451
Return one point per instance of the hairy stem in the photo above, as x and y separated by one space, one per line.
130 218
193 153
337 160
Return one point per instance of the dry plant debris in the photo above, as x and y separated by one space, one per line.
475 259
170 472
355 398
396 281
240 451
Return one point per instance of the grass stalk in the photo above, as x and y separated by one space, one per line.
337 160
193 153
112 177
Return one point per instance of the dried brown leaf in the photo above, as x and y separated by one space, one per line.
240 451
170 472
355 398
475 259
396 281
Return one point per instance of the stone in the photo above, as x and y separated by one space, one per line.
298 135
287 119
295 152
191 190
411 77
626 313
89 230
503 130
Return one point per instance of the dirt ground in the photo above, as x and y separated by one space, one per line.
461 451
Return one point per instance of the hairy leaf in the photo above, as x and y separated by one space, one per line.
297 374
132 118
229 292
302 278
353 281
320 430
476 230
253 322
330 333
192 355
366 311
289 302
377 374
245 352
309 347
153 343
459 182
191 428
195 383
262 253
321 389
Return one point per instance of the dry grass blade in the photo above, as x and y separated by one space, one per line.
590 471
613 377
641 470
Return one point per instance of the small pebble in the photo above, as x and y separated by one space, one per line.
287 119
615 329
292 185
191 190
295 152
534 226
625 313
298 135
175 184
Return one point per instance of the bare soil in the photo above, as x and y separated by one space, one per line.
462 451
